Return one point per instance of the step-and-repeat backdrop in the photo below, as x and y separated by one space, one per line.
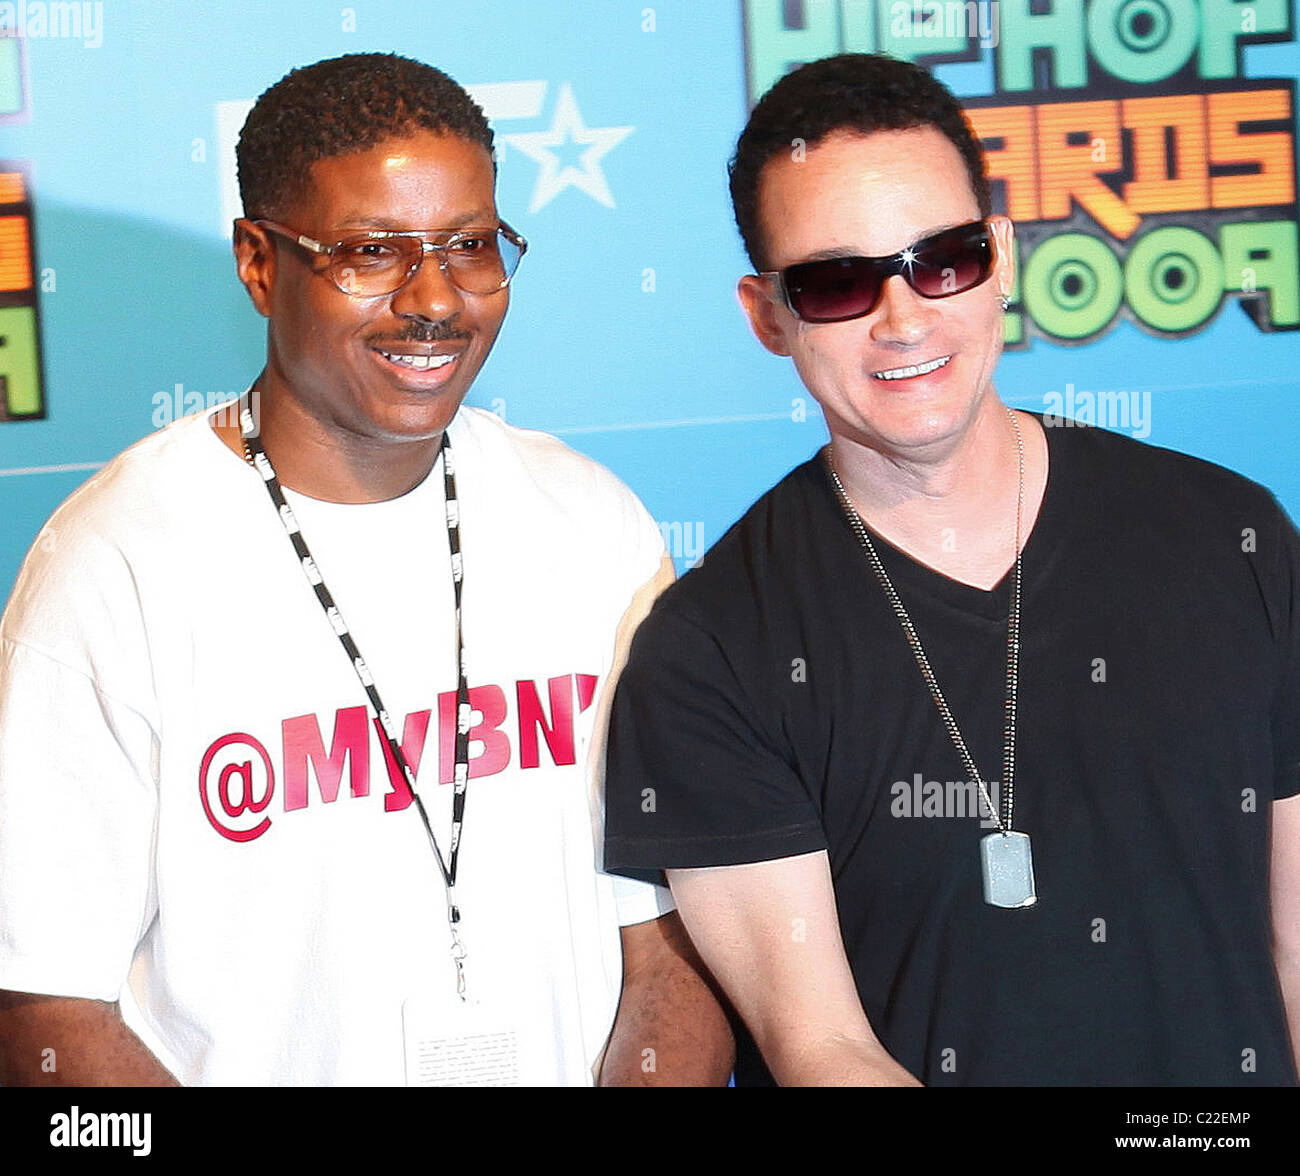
1146 149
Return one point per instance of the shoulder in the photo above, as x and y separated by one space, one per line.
553 466
160 472
757 567
1118 465
88 555
545 477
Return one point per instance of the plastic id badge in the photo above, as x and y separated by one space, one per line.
454 1042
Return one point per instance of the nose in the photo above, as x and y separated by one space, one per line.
903 316
430 293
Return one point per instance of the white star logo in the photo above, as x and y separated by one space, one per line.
567 127
568 155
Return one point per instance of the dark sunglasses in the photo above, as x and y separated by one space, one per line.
838 288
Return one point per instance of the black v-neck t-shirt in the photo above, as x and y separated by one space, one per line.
774 706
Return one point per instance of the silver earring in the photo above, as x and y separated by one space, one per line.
1005 301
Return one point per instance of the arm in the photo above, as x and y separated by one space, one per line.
770 933
671 1029
66 1041
1285 889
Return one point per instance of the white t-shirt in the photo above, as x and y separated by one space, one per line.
193 791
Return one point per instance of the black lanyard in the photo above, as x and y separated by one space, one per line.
257 458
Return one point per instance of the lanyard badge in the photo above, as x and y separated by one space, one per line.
256 456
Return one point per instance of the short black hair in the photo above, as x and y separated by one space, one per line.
860 92
337 107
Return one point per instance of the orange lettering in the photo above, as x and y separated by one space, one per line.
1271 180
1070 171
12 190
1161 184
1012 160
15 260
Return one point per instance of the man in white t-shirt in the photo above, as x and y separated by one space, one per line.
302 705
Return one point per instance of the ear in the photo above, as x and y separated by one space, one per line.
255 263
769 318
1004 253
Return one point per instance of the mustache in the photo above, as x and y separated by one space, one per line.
439 332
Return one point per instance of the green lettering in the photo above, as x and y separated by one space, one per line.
19 369
1059 31
926 28
11 75
1223 26
1073 286
1267 252
1173 278
1142 40
775 47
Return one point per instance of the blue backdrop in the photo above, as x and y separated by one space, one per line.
615 121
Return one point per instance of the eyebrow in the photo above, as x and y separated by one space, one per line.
380 224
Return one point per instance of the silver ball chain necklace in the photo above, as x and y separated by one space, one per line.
1006 859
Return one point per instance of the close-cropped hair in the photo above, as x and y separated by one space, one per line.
856 92
338 107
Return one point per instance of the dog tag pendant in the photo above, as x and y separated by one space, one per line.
1008 868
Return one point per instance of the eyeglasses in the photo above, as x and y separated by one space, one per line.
477 261
835 289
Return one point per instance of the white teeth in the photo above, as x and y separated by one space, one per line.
921 369
421 363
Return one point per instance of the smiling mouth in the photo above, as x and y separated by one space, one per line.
920 369
418 363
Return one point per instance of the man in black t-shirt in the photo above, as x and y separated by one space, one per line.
971 752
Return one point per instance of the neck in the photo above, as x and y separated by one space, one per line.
951 506
328 462
933 478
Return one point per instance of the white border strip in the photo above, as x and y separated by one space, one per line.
632 427
1017 401
54 469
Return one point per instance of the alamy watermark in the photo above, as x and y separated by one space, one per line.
945 18
180 402
78 1128
959 799
62 19
685 542
1115 409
